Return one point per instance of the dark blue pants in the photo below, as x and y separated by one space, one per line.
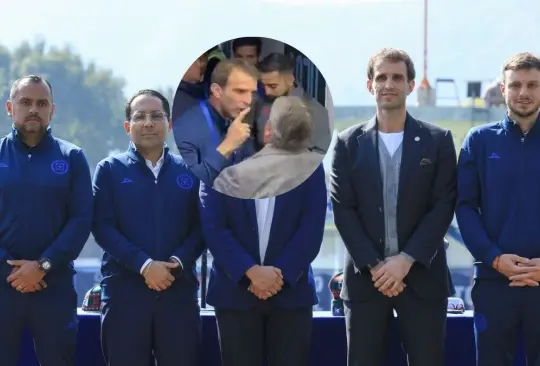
50 315
501 312
139 325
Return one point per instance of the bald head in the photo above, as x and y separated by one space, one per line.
290 124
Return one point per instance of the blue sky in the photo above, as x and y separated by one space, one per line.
151 43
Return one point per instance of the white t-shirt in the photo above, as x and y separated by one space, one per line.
392 141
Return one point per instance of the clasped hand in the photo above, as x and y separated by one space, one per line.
158 275
266 281
388 275
520 271
26 276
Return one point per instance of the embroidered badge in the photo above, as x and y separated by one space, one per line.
184 181
59 167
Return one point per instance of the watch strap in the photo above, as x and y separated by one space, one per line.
44 264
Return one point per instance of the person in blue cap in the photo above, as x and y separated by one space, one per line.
46 216
147 222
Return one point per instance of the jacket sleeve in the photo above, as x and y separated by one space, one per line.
69 243
219 239
426 239
468 204
5 269
351 229
306 243
197 147
104 227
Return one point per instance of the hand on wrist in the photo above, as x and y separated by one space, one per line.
147 268
250 271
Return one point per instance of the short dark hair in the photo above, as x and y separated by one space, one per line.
34 79
521 61
223 70
247 41
276 62
152 93
392 55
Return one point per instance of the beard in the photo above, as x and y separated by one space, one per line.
272 98
33 127
524 114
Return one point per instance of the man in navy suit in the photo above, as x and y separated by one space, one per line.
261 282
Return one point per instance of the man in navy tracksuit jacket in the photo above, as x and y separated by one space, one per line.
498 212
213 134
146 220
45 220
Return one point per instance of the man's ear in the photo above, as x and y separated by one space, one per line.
410 89
369 85
127 127
53 109
215 90
9 108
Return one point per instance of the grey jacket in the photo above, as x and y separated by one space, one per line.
268 173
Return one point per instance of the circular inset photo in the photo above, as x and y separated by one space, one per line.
251 118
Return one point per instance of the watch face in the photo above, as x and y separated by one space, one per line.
46 265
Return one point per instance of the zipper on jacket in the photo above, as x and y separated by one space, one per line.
522 180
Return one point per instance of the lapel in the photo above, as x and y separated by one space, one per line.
251 211
368 152
414 138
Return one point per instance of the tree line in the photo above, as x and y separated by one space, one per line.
89 99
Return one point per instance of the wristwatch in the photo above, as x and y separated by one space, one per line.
45 264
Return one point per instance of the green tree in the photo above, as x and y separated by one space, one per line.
89 100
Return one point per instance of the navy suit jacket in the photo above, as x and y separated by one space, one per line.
230 231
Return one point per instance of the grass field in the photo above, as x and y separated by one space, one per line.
459 128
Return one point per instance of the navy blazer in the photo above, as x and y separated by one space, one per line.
231 233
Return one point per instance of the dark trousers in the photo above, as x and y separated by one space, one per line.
422 324
140 327
500 313
50 315
265 335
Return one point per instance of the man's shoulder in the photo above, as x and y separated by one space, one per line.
192 112
432 128
180 166
65 146
4 140
487 129
437 133
314 105
352 132
115 160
